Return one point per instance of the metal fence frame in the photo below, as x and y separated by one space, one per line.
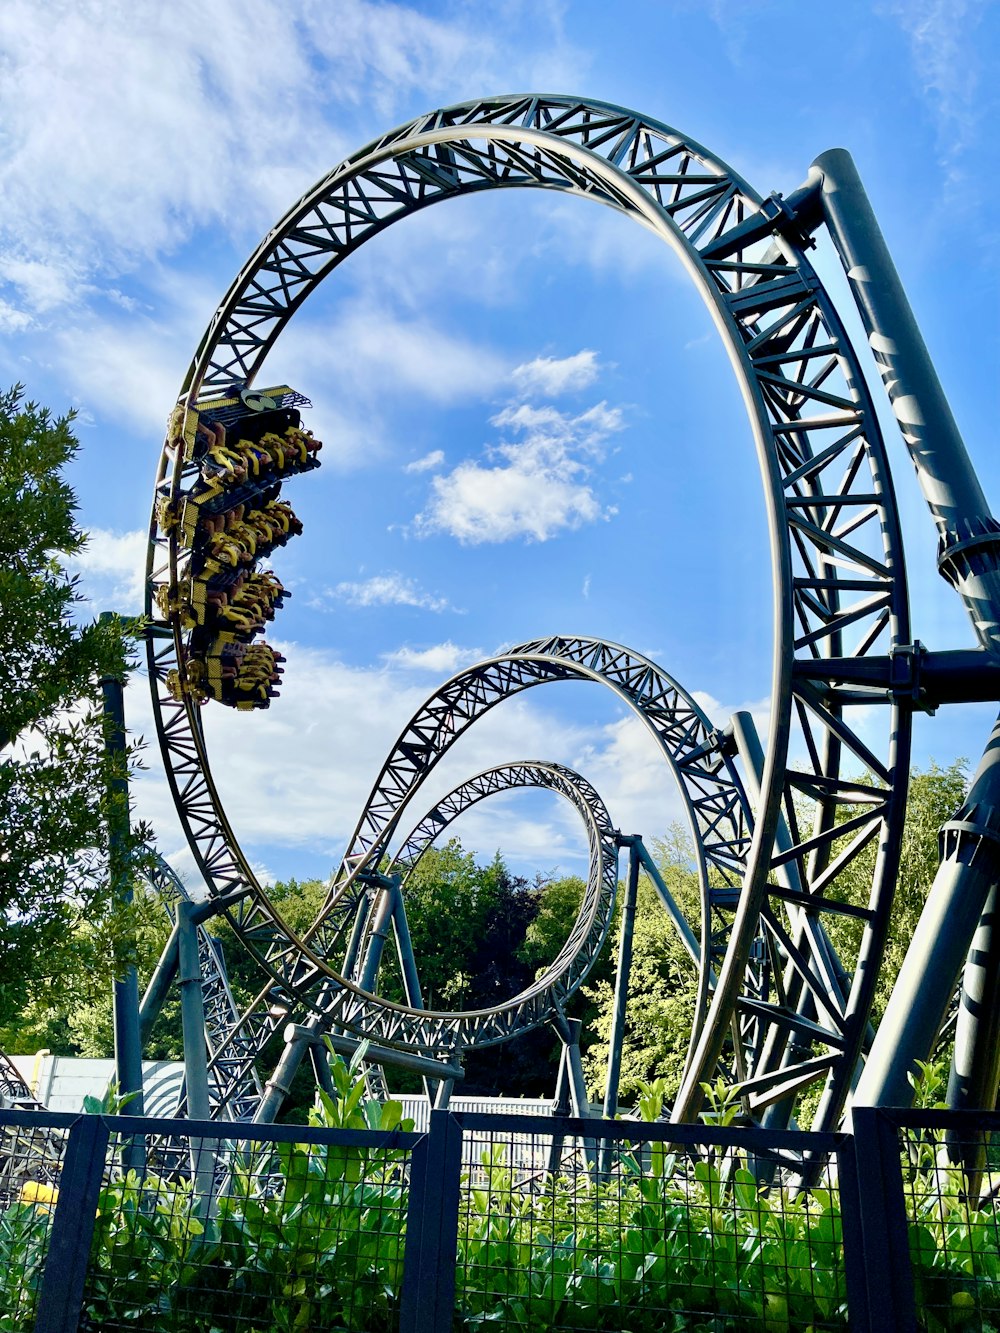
879 1151
877 1269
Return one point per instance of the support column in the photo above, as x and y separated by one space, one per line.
968 873
195 1051
279 1085
128 1051
623 971
975 1065
158 988
969 535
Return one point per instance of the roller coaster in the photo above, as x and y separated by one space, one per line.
780 825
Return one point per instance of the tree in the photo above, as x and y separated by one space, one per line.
54 769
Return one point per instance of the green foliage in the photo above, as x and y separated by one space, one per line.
54 770
309 1237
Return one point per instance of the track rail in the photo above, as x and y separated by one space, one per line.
837 566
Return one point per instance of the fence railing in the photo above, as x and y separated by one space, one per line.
497 1222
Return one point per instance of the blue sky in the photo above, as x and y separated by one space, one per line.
529 423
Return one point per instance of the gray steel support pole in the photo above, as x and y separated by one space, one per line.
969 536
158 988
975 1065
192 1016
199 1105
560 1107
408 965
617 1038
278 1086
687 936
404 947
357 935
125 1001
377 938
319 1058
442 1098
969 871
311 1035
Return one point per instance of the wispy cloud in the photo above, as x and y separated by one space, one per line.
426 464
539 488
386 590
123 126
441 659
551 376
947 60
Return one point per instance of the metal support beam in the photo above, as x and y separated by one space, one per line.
195 1052
379 1055
377 937
319 1058
192 1015
158 988
969 535
930 679
278 1086
969 871
622 973
687 936
975 1065
404 948
128 1050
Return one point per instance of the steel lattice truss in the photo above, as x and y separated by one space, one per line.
826 791
597 907
712 794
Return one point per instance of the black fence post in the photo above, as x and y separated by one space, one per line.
428 1295
851 1224
60 1298
884 1225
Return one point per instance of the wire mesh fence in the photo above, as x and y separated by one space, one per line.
261 1233
631 1231
950 1181
498 1221
31 1159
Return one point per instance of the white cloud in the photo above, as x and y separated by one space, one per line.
125 130
13 320
550 376
541 487
372 351
441 659
388 590
586 586
426 464
112 568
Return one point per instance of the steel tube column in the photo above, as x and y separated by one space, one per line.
192 1015
969 558
970 853
969 536
158 988
128 1051
617 1038
975 1067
